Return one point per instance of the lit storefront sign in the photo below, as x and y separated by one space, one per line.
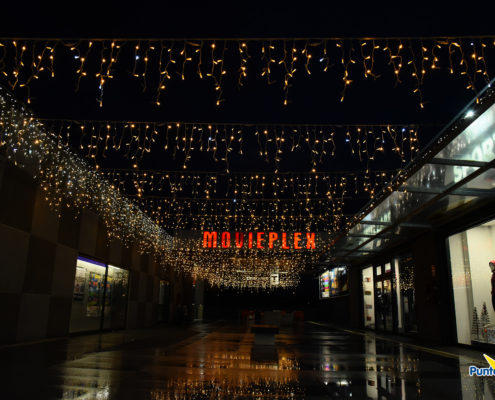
260 240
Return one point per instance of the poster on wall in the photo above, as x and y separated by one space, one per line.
109 294
325 285
339 281
368 297
334 282
95 286
79 284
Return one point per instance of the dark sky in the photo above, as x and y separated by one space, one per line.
313 99
254 18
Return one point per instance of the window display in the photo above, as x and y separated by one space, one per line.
405 294
79 284
389 297
87 296
334 282
116 297
98 290
472 261
325 285
339 281
95 293
384 307
368 298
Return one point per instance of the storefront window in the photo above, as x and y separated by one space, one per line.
334 282
472 261
91 297
339 281
325 285
405 294
368 298
384 307
116 298
87 299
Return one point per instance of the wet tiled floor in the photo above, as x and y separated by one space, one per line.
221 361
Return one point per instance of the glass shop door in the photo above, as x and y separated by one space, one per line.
115 306
99 299
383 298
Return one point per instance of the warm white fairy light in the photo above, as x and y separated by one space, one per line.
135 140
238 267
155 62
67 181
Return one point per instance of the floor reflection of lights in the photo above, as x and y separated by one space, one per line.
224 363
221 365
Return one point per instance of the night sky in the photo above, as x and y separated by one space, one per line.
314 99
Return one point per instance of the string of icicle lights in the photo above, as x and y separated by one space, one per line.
155 63
247 185
320 215
67 181
181 141
248 200
239 268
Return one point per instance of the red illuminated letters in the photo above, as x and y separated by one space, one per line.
297 239
239 239
226 239
283 240
209 239
310 240
272 236
259 240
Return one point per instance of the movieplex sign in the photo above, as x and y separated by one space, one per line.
260 240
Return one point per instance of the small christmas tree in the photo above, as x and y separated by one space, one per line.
475 326
485 320
479 389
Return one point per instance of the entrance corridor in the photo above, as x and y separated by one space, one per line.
222 361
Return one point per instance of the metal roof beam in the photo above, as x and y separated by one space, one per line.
420 190
474 192
415 225
460 163
374 223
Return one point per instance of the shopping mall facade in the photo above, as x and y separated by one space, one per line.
421 260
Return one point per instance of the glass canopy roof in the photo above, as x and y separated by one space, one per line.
453 175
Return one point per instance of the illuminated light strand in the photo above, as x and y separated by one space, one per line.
412 58
367 142
238 268
240 185
322 216
247 204
69 182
